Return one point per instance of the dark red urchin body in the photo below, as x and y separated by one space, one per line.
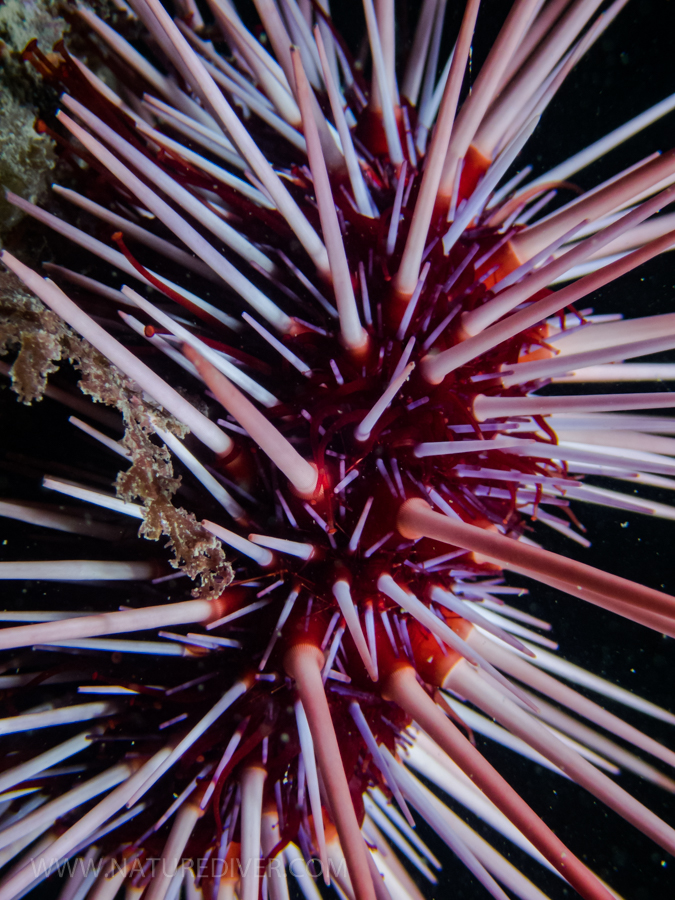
350 575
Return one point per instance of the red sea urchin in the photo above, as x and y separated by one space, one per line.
408 457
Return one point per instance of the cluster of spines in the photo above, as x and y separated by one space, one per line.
476 367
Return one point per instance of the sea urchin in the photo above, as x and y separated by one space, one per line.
343 273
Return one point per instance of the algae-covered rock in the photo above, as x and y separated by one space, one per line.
26 157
